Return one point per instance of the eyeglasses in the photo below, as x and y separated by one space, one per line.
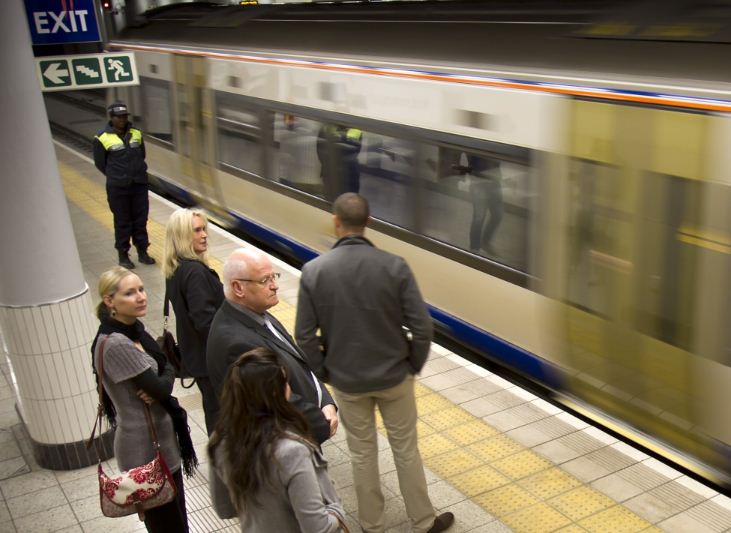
271 278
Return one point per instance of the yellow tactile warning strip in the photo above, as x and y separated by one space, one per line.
522 489
92 198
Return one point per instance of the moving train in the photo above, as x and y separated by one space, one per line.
557 175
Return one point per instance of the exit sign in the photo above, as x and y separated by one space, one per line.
62 21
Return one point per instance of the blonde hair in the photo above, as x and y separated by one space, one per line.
179 240
109 284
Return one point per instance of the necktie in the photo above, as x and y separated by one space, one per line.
294 349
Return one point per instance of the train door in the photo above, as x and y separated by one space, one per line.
629 283
646 272
194 127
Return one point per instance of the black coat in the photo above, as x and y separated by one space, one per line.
120 159
234 333
196 294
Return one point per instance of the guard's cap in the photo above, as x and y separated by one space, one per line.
117 109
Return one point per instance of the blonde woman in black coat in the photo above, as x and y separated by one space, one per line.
196 293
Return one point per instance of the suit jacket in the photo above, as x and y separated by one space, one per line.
233 333
375 327
196 294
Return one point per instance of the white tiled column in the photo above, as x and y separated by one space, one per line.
45 308
49 350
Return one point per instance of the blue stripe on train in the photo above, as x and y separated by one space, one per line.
472 337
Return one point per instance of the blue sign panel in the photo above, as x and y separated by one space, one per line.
62 21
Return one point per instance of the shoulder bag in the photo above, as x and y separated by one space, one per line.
138 489
170 346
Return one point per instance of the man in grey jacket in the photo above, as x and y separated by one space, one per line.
375 333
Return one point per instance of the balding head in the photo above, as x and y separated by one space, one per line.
350 213
249 264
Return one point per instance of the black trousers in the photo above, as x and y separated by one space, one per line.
487 195
171 517
210 402
130 207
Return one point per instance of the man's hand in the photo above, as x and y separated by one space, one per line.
331 415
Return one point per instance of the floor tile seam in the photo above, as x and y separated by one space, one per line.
672 492
523 448
101 212
43 511
106 222
716 515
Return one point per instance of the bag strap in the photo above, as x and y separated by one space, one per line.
165 309
100 405
341 521
166 317
100 408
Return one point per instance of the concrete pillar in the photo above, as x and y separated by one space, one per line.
46 313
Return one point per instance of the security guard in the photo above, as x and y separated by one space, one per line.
119 153
337 149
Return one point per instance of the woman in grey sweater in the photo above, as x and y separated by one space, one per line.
276 477
135 372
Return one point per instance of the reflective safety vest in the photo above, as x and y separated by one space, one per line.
121 159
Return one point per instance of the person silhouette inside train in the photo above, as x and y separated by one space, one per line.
482 182
338 147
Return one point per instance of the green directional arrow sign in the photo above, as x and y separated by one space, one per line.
87 71
119 68
55 73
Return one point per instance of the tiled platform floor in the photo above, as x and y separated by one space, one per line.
497 456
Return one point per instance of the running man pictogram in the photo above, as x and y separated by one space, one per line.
118 67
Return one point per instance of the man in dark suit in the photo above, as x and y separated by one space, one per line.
243 323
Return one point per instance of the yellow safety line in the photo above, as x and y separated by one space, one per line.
92 198
525 491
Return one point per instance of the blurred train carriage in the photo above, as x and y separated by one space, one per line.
599 167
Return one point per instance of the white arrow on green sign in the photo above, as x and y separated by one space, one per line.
87 71
55 73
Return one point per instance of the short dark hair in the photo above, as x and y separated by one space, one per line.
352 210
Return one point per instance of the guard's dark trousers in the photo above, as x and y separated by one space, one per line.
130 207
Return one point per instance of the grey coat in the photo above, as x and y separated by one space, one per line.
363 300
300 498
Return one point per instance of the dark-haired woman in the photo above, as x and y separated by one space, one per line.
276 476
135 371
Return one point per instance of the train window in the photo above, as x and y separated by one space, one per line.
683 263
156 116
239 134
476 201
388 178
294 154
600 228
468 200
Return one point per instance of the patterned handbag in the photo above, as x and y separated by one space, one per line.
138 489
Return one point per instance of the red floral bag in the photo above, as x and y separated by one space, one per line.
137 489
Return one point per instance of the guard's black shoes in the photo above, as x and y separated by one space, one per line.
145 258
442 523
125 261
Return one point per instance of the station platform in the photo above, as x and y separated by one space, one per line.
497 456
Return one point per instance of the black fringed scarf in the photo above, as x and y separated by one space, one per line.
136 333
